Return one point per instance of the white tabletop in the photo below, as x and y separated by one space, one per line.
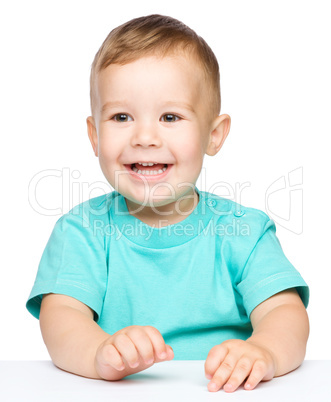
24 381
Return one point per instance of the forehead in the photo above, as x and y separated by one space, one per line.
171 78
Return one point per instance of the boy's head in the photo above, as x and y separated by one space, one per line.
155 99
160 36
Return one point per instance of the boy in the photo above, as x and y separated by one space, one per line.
152 271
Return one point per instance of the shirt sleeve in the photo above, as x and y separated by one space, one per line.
268 271
73 264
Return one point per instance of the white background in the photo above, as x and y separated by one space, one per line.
275 83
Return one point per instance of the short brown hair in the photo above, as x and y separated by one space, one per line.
157 35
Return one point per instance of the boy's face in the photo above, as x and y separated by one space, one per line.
153 110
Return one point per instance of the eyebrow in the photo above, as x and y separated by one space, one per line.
184 105
111 104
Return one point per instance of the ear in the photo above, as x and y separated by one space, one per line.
219 131
92 134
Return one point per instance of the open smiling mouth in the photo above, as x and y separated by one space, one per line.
150 169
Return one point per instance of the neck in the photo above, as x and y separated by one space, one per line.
168 214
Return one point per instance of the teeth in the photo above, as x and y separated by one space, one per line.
149 172
147 164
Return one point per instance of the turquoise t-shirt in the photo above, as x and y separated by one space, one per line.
196 281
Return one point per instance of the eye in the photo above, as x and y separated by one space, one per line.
121 118
170 118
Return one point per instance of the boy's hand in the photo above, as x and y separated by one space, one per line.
130 350
229 363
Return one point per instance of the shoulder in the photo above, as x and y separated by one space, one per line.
238 230
237 227
90 212
230 213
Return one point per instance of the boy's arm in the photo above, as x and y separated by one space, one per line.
77 344
277 345
281 325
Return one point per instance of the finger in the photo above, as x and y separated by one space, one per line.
259 370
170 352
127 350
159 346
240 372
109 356
143 344
223 373
214 359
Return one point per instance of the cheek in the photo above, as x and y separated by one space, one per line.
108 150
191 151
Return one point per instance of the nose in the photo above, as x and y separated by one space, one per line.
146 135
